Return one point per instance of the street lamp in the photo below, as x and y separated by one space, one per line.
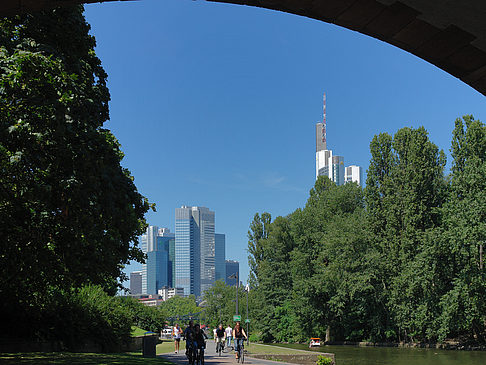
235 276
247 289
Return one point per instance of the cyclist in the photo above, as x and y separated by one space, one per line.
200 342
239 335
191 344
220 337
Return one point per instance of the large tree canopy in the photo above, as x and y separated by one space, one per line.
401 260
70 213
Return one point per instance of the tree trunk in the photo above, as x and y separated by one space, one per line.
328 334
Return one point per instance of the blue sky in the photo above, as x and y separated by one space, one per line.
215 104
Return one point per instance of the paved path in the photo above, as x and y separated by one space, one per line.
211 357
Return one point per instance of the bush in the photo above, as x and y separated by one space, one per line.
322 360
149 318
89 315
255 337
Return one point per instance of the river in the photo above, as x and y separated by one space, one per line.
352 355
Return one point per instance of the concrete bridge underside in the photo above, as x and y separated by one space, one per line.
450 34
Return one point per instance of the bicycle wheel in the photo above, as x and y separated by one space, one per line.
242 356
201 355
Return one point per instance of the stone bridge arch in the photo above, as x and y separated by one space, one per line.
450 34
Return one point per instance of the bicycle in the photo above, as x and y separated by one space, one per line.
220 346
200 355
241 351
191 353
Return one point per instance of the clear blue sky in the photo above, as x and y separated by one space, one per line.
215 104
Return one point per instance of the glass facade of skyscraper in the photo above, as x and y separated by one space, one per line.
184 251
219 256
194 249
158 268
157 271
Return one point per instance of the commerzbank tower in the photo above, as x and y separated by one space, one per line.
331 165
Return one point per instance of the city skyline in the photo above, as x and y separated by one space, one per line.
213 111
190 260
331 165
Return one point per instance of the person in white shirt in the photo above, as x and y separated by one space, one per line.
229 335
176 334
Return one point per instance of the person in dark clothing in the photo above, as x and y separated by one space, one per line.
200 340
239 335
220 337
189 336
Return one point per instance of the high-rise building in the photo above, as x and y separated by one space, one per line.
220 256
172 262
336 170
136 282
328 164
232 270
353 174
158 268
194 249
167 293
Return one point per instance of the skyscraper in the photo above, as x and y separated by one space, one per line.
354 174
328 164
232 268
158 268
220 255
136 282
194 249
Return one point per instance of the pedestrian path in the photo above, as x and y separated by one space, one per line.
211 357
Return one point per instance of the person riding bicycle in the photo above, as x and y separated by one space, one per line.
200 339
239 335
220 336
190 337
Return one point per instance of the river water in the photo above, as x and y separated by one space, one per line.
352 355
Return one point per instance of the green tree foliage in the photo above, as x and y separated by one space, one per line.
220 304
148 318
180 307
401 260
464 305
69 213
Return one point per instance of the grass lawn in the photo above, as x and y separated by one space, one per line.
137 331
78 358
167 346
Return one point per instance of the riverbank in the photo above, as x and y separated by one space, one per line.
440 346
373 355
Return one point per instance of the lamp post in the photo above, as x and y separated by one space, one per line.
247 289
235 276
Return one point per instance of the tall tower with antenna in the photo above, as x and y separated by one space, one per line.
321 130
324 122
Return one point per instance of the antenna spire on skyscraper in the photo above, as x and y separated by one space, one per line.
324 121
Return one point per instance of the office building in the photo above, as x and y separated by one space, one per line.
136 282
328 164
232 270
167 293
158 268
194 249
354 174
336 170
220 256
